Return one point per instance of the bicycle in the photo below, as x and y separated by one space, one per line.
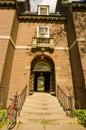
12 113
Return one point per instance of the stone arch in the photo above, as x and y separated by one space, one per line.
42 65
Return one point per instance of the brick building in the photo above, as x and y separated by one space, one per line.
43 49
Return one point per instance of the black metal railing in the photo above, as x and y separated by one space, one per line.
43 40
21 99
66 101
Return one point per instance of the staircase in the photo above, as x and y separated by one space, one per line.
43 107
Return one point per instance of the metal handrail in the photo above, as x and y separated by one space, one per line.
66 101
21 99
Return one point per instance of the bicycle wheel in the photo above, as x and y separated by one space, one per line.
12 120
11 124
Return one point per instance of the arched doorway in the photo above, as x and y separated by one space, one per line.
42 75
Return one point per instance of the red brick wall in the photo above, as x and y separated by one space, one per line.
22 57
69 65
7 29
3 50
6 73
75 60
80 28
6 20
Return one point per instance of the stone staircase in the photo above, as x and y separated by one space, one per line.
43 107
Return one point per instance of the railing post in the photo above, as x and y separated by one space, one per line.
70 102
67 102
57 91
21 99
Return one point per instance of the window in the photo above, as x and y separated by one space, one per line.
43 9
43 32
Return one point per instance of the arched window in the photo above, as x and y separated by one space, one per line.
42 66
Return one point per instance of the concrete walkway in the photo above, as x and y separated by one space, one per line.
42 111
35 126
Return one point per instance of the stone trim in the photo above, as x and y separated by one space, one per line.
48 18
7 4
77 40
23 47
8 38
75 4
61 48
79 4
81 39
29 47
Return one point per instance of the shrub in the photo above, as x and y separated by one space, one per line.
81 116
2 116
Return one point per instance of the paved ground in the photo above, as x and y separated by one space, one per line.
42 111
35 126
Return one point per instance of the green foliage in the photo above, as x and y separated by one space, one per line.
2 117
81 116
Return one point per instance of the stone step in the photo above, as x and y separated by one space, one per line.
42 106
40 101
38 113
44 109
55 117
47 119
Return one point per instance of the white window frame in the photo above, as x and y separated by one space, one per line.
43 7
42 35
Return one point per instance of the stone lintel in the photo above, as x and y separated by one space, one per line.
40 18
7 4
